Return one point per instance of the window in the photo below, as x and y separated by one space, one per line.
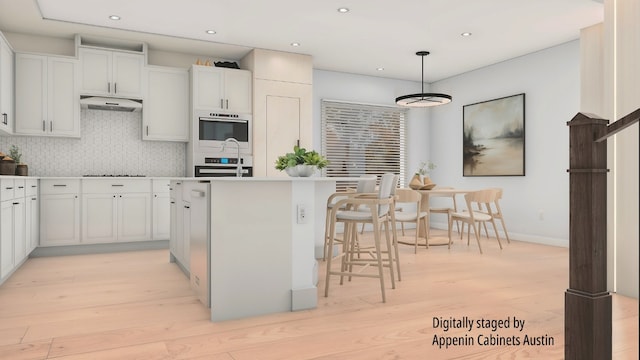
360 139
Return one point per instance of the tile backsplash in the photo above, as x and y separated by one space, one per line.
111 143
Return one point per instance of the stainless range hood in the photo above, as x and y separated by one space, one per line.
111 104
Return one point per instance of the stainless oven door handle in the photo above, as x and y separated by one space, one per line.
224 120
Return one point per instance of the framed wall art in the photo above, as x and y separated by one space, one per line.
493 137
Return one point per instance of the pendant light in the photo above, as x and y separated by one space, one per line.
423 99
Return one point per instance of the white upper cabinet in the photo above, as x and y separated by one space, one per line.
47 101
6 87
166 105
111 73
221 89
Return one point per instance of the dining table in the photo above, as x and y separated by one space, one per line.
425 206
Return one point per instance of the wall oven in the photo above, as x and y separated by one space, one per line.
223 167
212 129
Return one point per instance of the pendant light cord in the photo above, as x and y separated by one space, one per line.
422 75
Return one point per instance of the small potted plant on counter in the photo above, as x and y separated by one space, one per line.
301 162
16 155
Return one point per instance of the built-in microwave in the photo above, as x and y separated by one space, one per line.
214 128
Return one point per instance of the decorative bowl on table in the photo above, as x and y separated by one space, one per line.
428 186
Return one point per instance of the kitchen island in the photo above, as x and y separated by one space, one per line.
265 235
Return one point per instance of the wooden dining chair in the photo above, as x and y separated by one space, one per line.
446 209
472 216
493 209
411 197
380 211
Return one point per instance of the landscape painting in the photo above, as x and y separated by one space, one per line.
493 137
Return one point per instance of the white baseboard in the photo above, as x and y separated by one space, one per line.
543 240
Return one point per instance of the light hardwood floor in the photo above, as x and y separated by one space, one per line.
137 305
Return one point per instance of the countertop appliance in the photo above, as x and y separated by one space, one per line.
199 241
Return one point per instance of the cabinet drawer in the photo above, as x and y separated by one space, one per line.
19 188
31 186
8 187
160 186
108 186
63 186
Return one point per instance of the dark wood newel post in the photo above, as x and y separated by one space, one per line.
587 318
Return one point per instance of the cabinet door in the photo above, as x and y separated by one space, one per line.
7 262
60 219
19 239
127 75
32 225
283 123
6 88
186 235
237 90
96 72
99 218
63 103
161 216
31 94
173 216
208 88
134 217
166 107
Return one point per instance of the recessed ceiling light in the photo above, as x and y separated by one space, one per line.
295 44
343 10
210 32
114 17
466 34
380 69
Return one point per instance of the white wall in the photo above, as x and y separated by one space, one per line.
550 80
536 206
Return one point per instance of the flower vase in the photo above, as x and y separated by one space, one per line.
416 182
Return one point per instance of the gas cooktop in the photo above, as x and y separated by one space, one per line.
113 175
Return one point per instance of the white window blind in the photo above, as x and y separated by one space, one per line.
360 139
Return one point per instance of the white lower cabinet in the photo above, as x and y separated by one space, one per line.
99 222
116 211
7 262
32 222
186 234
14 244
179 242
134 217
59 212
161 210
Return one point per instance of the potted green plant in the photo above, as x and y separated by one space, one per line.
301 162
16 155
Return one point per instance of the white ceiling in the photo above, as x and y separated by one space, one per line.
373 34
